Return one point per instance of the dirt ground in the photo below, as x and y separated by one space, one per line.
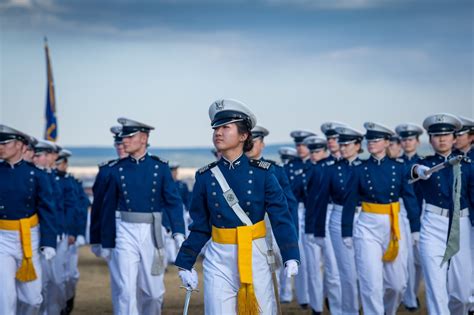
93 291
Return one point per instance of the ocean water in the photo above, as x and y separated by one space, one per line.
186 157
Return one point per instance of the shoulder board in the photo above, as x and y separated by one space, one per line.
357 163
109 162
265 165
157 158
400 160
467 159
421 157
207 167
275 163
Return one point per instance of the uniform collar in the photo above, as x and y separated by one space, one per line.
138 160
235 163
350 162
378 161
444 158
406 157
16 164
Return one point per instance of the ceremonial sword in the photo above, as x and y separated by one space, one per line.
439 167
189 291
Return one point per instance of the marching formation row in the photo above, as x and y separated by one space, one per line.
354 233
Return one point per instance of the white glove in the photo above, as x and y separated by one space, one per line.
291 268
420 171
415 236
96 249
189 278
48 252
80 240
348 242
319 241
178 240
106 253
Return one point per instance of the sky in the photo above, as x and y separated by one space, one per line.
295 63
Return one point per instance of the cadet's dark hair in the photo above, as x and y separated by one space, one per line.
359 142
243 128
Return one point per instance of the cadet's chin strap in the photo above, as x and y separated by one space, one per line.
452 245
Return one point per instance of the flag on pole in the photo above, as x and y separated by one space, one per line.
51 130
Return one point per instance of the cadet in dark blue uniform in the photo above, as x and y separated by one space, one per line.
26 201
296 170
139 189
54 271
79 226
320 249
447 220
258 135
409 140
98 191
379 183
230 199
465 137
329 130
287 154
332 188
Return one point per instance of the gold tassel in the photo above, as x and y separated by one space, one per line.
247 303
392 250
26 272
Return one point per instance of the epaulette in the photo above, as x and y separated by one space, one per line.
274 163
265 165
400 160
207 167
157 158
108 162
467 159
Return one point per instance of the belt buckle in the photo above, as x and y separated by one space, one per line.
231 198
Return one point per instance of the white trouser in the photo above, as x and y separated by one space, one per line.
301 279
170 247
345 259
314 273
72 271
284 283
414 271
382 284
472 273
286 292
132 259
54 279
447 289
18 297
332 281
222 281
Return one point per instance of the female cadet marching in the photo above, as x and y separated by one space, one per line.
230 199
333 188
378 183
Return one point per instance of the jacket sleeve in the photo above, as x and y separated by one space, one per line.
200 229
46 211
410 200
351 203
173 204
280 218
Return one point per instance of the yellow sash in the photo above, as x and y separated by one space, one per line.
26 272
242 236
391 209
